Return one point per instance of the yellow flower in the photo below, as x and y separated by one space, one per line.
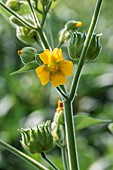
55 68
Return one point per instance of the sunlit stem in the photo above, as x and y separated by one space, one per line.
22 155
48 161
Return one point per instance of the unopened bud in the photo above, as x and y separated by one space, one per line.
64 36
26 35
15 21
73 25
13 4
27 54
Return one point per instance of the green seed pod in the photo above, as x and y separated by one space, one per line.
76 46
64 36
26 35
73 25
94 47
37 140
13 4
15 21
27 54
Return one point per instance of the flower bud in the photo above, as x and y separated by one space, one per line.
77 42
27 54
13 4
37 140
73 25
26 35
58 132
64 36
15 21
59 114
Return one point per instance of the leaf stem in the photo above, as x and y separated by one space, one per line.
48 161
22 155
76 79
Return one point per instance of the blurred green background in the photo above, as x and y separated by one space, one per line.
24 102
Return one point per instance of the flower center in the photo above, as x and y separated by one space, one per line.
53 68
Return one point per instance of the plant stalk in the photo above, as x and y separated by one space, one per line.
76 79
22 155
70 136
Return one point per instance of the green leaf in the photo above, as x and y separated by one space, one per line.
27 67
83 121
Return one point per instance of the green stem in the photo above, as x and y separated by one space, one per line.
76 79
22 20
61 92
45 13
64 158
70 136
36 22
48 161
22 155
43 39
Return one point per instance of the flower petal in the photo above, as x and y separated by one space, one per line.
45 56
43 74
57 79
57 54
66 67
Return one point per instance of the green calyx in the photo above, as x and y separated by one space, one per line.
77 42
13 4
37 140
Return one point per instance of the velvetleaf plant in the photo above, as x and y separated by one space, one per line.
51 66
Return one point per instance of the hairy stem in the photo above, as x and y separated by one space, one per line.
22 155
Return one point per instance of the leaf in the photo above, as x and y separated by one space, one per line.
27 67
83 121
